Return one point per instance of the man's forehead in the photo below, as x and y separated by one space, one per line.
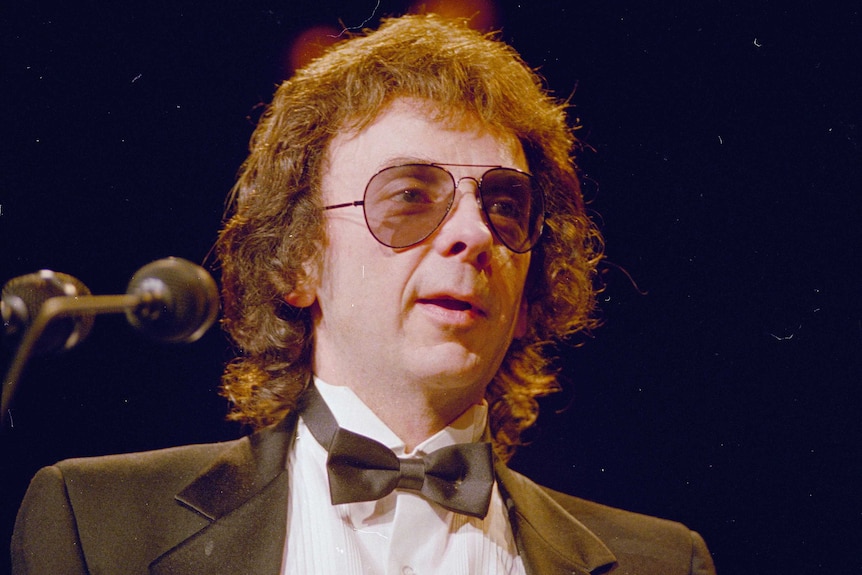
437 115
442 115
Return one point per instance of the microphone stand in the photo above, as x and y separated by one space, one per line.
61 307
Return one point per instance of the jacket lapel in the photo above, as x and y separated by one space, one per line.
550 540
243 495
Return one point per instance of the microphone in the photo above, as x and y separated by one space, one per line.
178 300
22 299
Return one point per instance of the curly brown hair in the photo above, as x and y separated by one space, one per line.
274 234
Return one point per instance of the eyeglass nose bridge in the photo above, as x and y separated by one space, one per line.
477 194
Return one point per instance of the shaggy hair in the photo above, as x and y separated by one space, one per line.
273 237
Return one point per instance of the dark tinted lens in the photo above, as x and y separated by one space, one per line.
405 204
514 207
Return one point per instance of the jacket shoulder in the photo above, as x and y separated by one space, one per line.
100 509
164 467
641 543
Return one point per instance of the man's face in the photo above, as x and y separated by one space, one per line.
441 314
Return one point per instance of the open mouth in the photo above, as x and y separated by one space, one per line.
448 303
453 304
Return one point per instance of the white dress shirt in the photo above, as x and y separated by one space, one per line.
401 534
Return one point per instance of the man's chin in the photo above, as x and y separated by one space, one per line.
450 365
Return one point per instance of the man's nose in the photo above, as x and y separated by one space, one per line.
465 232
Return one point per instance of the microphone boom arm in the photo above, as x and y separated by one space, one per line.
55 308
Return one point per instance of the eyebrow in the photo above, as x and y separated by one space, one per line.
404 160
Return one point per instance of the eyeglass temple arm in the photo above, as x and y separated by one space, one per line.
347 205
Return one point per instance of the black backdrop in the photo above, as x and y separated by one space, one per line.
725 164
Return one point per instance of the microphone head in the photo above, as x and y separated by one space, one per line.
23 297
179 300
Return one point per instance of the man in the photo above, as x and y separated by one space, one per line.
407 239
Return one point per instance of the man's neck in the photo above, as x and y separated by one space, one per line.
414 416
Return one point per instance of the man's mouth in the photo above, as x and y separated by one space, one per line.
447 303
452 304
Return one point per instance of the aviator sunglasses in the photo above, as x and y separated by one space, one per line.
405 204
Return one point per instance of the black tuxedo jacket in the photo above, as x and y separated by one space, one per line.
221 508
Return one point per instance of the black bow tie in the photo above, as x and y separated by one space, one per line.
459 477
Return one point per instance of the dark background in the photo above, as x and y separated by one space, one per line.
726 165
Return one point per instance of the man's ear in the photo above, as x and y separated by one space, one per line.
521 320
304 293
300 297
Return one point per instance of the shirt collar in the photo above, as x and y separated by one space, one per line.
352 414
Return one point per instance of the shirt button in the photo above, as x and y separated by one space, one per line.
407 570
